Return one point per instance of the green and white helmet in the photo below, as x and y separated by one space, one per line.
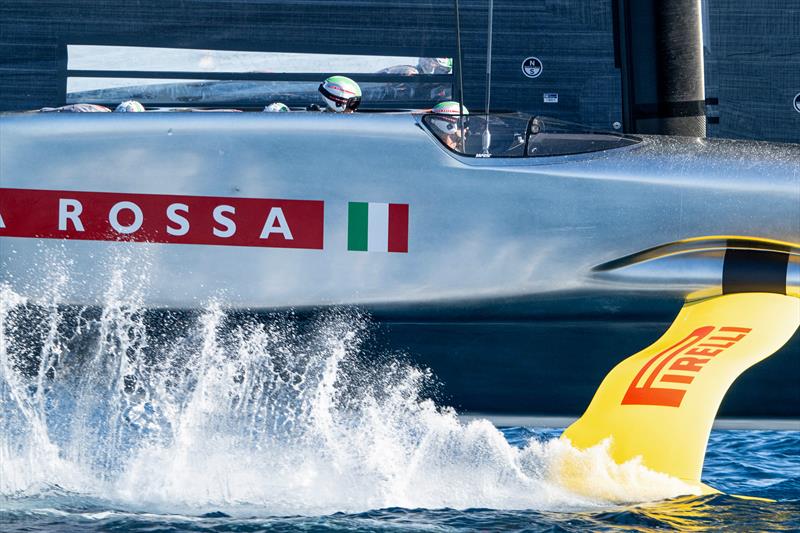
449 107
340 93
129 106
447 115
277 107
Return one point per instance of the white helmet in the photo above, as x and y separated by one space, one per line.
447 116
340 93
129 106
276 107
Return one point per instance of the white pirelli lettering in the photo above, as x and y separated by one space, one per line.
276 215
173 214
228 224
69 210
2 222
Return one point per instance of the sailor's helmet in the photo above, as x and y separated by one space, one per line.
340 93
129 106
447 115
277 107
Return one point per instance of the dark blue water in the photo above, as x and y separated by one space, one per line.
765 464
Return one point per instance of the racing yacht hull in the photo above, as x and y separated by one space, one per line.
507 277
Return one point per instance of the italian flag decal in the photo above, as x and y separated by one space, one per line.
373 227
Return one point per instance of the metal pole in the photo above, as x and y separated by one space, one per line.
460 77
458 61
661 57
489 56
486 140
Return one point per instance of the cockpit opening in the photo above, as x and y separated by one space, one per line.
519 135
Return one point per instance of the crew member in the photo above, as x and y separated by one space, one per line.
448 122
341 94
435 65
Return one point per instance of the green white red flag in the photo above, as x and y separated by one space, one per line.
377 227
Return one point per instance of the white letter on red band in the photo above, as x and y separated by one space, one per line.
162 218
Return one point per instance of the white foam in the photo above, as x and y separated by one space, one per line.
261 419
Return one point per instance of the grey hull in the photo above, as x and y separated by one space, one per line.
491 242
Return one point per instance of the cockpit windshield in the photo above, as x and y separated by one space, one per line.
519 135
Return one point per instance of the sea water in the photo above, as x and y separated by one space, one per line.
121 418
